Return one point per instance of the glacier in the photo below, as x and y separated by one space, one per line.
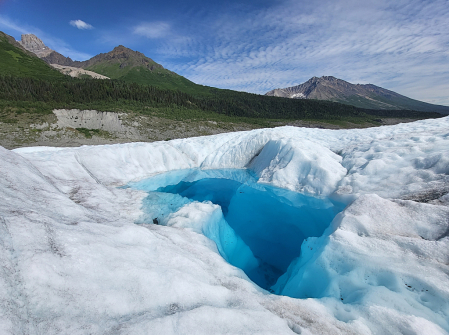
79 255
256 227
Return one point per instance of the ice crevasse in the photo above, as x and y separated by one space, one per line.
74 259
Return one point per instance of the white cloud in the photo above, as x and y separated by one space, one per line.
401 46
80 24
152 29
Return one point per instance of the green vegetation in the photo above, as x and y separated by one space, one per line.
158 77
16 62
116 95
378 101
134 67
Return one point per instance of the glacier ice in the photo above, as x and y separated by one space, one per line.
74 261
256 227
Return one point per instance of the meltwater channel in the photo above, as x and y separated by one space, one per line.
265 225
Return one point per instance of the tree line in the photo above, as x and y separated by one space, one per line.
231 103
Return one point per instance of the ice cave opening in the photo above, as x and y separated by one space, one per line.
261 228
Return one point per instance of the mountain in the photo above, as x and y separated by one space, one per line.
34 44
17 61
120 63
125 64
56 58
359 95
133 66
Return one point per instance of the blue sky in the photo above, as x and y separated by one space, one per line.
256 46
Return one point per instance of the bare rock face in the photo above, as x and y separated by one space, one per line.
56 58
90 119
34 44
368 96
77 72
323 88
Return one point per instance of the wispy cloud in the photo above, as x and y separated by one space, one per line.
403 46
81 24
152 29
6 23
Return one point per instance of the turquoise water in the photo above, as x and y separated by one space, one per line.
271 221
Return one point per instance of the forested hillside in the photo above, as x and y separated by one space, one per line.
72 91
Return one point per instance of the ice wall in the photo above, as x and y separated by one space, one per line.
383 253
299 165
392 161
207 219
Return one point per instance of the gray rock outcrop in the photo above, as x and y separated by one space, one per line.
90 119
34 44
56 58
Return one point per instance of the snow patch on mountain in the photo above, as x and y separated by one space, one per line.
298 96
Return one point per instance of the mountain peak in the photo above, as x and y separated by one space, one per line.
125 57
360 95
324 78
122 49
34 44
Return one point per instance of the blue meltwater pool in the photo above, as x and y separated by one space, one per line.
270 221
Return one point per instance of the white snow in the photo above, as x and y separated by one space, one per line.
74 261
298 95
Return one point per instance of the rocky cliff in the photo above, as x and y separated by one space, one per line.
56 58
34 44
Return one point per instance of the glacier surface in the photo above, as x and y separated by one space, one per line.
74 261
256 227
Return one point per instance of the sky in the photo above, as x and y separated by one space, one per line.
257 45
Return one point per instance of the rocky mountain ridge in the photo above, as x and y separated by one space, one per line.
125 57
360 95
120 54
120 63
57 58
34 44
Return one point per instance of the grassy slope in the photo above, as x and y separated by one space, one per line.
378 102
407 103
161 78
16 62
